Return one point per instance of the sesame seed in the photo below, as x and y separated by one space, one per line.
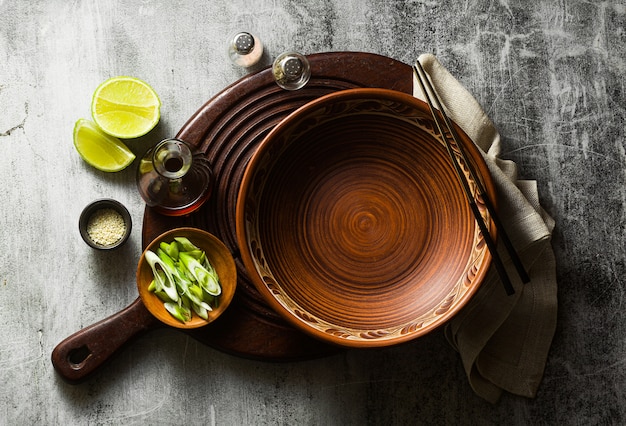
106 227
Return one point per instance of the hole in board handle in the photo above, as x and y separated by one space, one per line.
78 356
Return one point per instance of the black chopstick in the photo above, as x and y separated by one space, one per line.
504 277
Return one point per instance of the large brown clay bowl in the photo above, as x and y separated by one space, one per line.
218 255
353 225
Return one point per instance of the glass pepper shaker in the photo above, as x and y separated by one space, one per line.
174 180
245 49
291 71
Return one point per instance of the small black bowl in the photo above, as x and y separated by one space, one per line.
105 203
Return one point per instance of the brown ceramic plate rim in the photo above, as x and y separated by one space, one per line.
257 157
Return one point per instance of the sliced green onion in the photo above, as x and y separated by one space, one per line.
166 283
185 244
170 249
207 279
179 312
163 296
184 279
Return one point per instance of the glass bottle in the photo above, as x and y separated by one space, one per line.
174 180
291 70
245 49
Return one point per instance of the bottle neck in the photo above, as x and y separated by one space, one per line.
172 158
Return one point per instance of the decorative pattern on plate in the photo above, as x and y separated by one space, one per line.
355 222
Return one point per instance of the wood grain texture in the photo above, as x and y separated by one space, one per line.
550 74
352 223
228 129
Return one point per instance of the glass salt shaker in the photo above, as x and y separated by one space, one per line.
245 49
174 180
291 71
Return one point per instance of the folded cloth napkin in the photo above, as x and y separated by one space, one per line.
503 341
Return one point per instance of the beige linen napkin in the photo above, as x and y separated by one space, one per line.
503 340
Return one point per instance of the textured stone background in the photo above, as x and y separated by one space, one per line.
550 74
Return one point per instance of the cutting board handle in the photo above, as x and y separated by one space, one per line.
81 354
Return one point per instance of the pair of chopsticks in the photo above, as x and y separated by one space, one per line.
442 121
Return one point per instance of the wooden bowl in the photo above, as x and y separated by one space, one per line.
352 222
220 258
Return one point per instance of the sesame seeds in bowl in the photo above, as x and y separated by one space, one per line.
105 224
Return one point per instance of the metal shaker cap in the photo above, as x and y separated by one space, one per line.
244 43
291 70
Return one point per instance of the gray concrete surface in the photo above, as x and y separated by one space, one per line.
550 74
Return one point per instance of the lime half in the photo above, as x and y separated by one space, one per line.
125 107
100 150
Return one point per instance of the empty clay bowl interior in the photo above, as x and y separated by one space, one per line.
352 222
220 258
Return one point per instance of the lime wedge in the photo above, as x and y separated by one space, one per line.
100 150
125 107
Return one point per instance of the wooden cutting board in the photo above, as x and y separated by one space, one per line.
228 129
